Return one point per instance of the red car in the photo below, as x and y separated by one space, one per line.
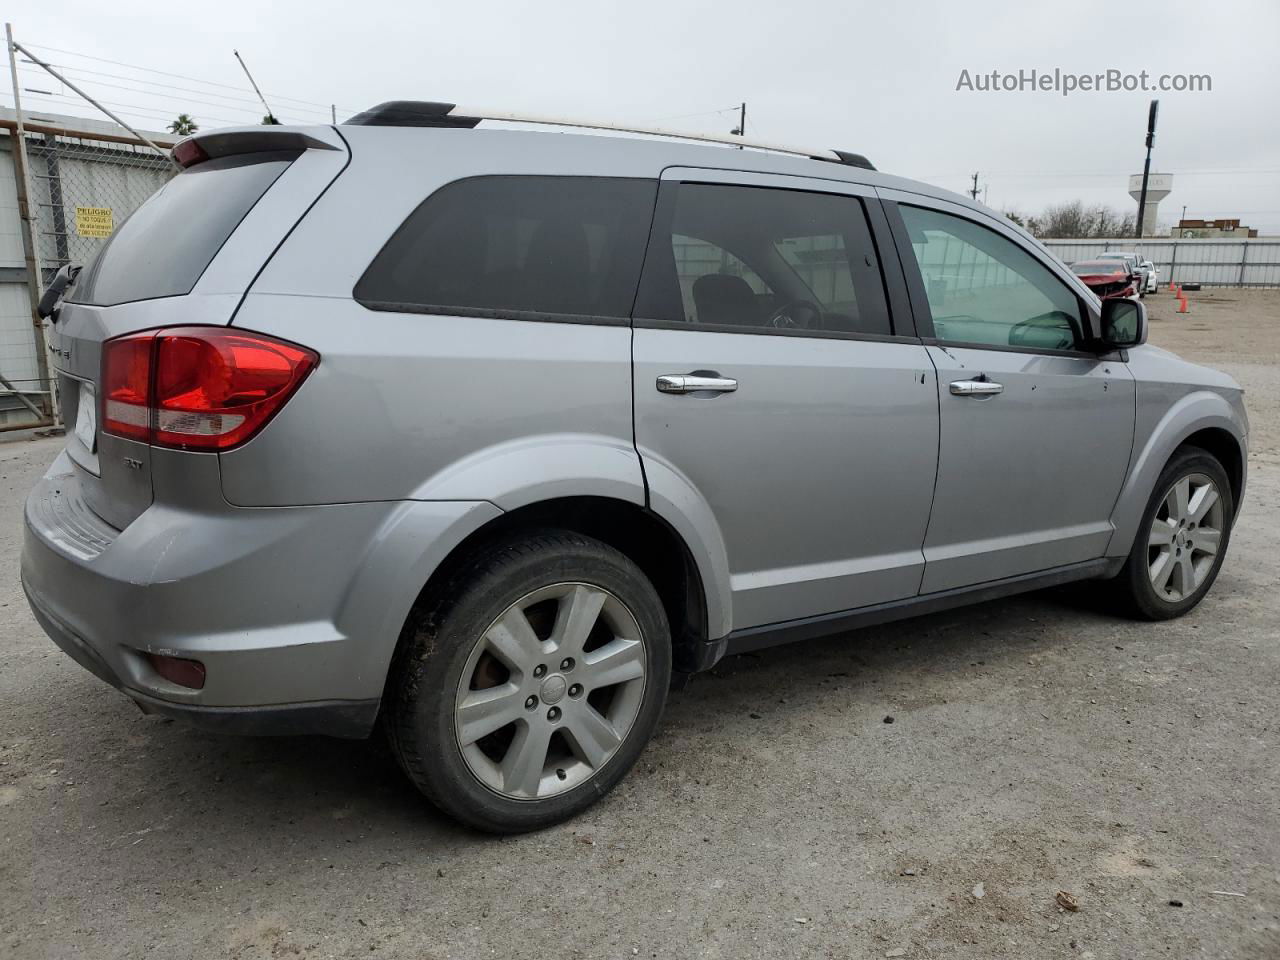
1107 278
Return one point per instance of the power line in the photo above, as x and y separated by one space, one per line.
165 73
134 110
182 99
79 71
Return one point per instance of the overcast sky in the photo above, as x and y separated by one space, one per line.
877 78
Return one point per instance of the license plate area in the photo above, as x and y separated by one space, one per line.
87 417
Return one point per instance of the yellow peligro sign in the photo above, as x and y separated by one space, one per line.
94 221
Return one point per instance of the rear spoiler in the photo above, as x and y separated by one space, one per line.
225 143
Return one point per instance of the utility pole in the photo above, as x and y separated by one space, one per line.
974 192
741 129
333 113
1146 167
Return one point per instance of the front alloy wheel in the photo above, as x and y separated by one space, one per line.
1182 540
1185 535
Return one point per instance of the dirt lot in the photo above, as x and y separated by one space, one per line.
1037 745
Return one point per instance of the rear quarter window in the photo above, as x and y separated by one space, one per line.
517 245
164 247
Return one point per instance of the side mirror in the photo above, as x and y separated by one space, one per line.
65 276
1124 323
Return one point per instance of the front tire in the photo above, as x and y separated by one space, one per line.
1182 539
529 687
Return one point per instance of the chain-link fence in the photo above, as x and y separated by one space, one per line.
72 181
82 180
83 189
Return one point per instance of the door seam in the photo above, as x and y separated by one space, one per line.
937 468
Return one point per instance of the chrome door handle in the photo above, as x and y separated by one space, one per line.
976 388
694 383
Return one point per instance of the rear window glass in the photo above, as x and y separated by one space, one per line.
495 246
163 248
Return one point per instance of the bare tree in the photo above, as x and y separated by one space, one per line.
1074 220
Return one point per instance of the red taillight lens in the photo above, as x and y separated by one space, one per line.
198 388
126 386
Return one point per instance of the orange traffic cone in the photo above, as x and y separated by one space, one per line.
1182 303
1171 286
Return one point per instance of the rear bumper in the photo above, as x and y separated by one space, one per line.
294 611
335 718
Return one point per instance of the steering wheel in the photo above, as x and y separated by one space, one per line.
784 317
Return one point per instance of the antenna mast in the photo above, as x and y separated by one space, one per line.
271 117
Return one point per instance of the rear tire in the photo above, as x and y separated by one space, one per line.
1181 541
528 687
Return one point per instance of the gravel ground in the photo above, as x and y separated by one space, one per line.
1036 745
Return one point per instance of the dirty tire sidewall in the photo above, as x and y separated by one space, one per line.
436 644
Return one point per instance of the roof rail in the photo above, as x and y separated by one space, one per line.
426 113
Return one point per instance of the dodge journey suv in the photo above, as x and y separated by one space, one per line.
482 433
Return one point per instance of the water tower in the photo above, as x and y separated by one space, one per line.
1159 186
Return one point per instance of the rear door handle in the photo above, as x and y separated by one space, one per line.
695 383
976 388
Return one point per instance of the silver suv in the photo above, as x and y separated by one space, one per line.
488 433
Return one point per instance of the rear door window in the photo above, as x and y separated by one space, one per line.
544 247
755 259
164 247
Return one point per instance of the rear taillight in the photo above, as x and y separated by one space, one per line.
197 388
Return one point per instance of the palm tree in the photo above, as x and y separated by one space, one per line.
184 126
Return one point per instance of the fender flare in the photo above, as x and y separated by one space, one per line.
521 472
674 498
536 469
409 546
420 533
1200 410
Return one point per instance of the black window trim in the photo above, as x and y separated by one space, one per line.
493 313
897 303
502 313
923 313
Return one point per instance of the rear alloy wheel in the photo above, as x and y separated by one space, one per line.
1183 538
526 690
537 717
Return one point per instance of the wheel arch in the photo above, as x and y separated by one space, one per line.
1203 419
1226 449
638 533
